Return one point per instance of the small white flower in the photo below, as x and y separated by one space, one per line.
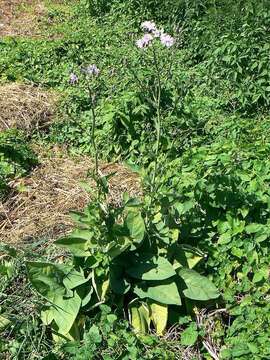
149 26
167 40
144 41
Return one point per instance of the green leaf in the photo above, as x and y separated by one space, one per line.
189 336
75 278
94 335
151 268
135 224
76 245
64 312
118 283
46 278
4 323
159 316
165 292
253 228
198 286
139 315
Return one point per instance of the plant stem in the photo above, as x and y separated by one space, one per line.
158 120
93 139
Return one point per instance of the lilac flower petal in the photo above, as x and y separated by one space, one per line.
144 41
73 79
167 40
148 26
91 70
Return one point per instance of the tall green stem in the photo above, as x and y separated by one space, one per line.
93 138
158 120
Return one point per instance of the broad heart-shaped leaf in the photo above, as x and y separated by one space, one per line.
63 312
165 292
139 315
159 316
75 278
135 224
198 286
76 245
46 278
149 267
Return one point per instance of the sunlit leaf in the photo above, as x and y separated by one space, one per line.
150 268
159 316
165 292
198 286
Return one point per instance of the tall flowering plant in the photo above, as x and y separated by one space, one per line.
156 52
130 257
91 73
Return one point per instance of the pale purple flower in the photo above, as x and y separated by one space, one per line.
73 79
92 70
144 41
157 33
149 26
167 40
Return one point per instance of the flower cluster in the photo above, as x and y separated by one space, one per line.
153 32
90 70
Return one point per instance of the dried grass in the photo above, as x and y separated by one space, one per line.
53 189
21 17
26 107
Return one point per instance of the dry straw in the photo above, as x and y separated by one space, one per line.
41 208
22 17
26 107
